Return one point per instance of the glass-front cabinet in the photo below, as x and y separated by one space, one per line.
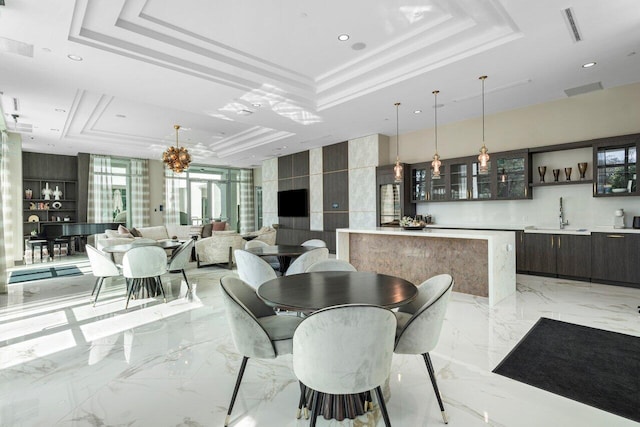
459 178
426 187
615 171
513 175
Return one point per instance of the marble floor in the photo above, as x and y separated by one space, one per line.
66 363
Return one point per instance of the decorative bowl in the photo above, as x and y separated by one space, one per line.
618 190
412 227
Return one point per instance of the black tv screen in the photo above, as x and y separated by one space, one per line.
293 203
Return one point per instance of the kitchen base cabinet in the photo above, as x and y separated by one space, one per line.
615 258
521 259
558 255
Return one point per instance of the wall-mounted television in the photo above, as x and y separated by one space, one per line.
293 203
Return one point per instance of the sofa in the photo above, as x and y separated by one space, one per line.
219 247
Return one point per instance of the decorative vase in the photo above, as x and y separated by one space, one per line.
57 194
46 192
567 173
542 170
582 168
28 193
556 175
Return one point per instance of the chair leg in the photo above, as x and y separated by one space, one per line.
186 280
235 389
432 375
99 286
95 285
303 400
131 286
383 407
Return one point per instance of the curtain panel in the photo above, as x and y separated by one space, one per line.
100 189
6 245
140 194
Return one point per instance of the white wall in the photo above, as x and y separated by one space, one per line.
15 221
156 192
270 192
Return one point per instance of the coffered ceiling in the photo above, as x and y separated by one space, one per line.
249 80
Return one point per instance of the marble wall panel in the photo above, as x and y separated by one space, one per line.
363 152
316 221
362 189
315 161
270 170
416 259
362 219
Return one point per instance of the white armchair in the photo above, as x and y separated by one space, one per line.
218 249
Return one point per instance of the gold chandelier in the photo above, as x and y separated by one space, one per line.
177 158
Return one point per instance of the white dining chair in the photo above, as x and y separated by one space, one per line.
316 243
420 323
255 329
332 355
102 266
304 261
253 269
143 264
330 264
272 260
179 259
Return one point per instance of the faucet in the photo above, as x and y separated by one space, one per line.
562 221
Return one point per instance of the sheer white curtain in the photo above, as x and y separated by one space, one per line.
100 189
247 207
6 240
140 205
171 198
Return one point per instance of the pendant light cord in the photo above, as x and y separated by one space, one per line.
435 107
177 127
483 79
397 104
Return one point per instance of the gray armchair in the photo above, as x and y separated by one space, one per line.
420 322
255 329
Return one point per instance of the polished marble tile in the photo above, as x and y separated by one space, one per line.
64 362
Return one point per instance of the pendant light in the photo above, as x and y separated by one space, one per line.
398 175
483 158
435 164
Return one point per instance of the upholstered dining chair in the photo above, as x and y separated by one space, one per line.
330 264
255 329
179 259
102 266
420 322
253 269
272 260
304 261
144 262
331 354
316 243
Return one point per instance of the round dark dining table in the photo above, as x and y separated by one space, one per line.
284 253
313 291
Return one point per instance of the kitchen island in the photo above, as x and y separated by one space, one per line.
482 262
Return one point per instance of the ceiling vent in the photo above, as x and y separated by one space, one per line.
16 47
591 87
20 127
573 26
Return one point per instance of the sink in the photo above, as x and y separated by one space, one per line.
557 230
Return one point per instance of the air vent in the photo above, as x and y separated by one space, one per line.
16 47
591 87
573 26
20 127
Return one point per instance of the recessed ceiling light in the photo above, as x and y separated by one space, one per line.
588 65
343 37
121 116
60 110
74 57
257 105
417 112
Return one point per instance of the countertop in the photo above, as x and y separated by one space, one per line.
585 231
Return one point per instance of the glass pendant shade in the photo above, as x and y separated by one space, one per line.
398 170
177 158
435 166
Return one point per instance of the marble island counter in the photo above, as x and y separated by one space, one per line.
482 262
582 230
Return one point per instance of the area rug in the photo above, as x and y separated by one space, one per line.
43 273
592 366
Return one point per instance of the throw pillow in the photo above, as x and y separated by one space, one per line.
219 226
123 230
112 234
206 230
135 233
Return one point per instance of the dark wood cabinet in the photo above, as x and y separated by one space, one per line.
521 258
615 167
615 258
540 253
563 255
573 255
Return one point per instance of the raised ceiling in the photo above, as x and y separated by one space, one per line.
249 80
